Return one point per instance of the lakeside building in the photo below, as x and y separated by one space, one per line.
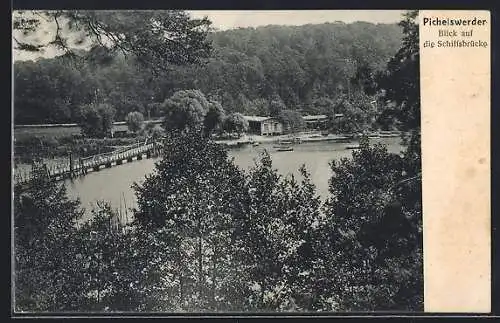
319 122
264 126
316 121
269 126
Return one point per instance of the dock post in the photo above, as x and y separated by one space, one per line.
71 174
46 170
82 168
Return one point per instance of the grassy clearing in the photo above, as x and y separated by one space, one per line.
57 142
54 132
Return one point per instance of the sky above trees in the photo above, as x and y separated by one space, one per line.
231 19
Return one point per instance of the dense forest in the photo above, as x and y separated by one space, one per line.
311 69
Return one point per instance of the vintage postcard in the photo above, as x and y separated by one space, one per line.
251 162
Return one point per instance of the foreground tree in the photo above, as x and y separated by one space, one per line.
46 277
375 239
116 270
156 38
401 80
224 240
276 240
375 208
63 264
188 206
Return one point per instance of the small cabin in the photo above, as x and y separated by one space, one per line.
264 126
319 122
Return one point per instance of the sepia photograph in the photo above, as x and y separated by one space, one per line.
183 161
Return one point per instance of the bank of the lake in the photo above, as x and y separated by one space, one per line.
114 184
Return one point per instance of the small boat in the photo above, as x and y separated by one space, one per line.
284 148
255 144
280 144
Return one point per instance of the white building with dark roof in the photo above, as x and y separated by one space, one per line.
319 121
264 126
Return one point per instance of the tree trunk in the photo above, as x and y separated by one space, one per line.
214 277
179 266
200 269
181 294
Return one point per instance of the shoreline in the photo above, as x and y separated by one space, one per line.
304 137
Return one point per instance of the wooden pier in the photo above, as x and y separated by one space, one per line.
81 166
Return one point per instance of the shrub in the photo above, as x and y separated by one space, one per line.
375 240
135 121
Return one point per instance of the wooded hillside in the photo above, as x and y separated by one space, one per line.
251 70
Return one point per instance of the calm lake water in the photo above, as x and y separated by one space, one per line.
114 184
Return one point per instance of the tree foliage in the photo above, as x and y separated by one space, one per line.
277 238
375 208
400 81
257 71
193 199
208 236
155 38
135 121
375 219
235 123
214 119
185 110
96 120
44 230
291 120
358 113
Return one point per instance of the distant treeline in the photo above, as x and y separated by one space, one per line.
251 70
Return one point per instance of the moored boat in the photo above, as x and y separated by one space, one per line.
283 143
284 148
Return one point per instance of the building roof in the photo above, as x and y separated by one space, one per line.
320 117
310 118
315 117
256 118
